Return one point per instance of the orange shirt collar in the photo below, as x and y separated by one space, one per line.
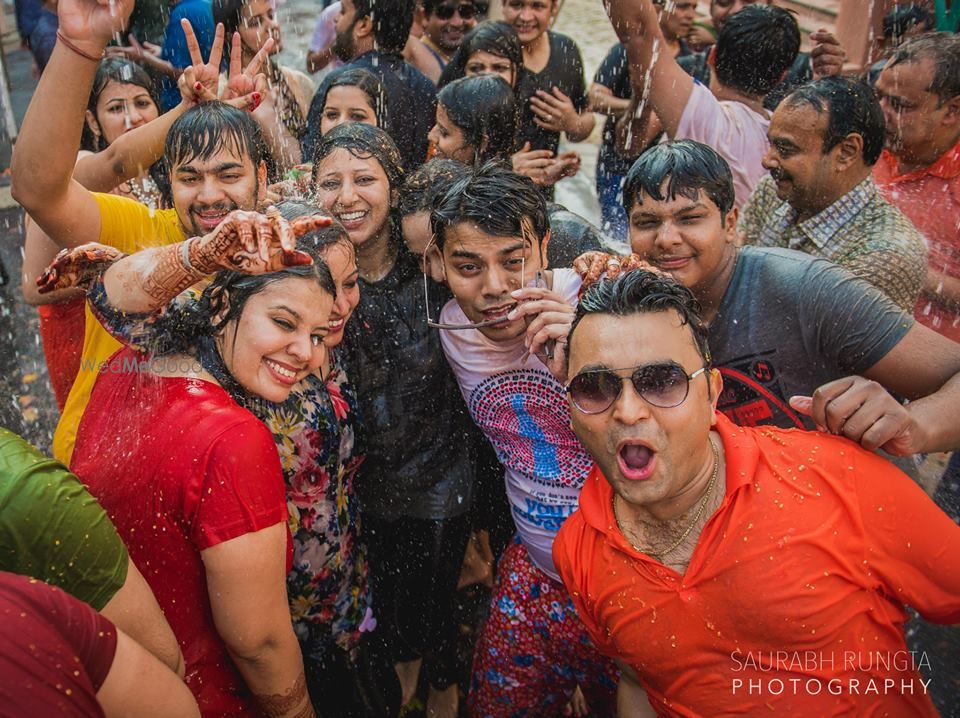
946 167
741 454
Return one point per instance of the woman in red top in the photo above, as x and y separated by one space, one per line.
192 479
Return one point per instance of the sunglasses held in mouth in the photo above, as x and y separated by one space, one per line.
445 12
662 385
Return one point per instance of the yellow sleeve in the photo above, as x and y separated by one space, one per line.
130 226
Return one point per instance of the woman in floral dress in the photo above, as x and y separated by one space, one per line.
318 436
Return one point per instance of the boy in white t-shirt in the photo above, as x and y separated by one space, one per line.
491 233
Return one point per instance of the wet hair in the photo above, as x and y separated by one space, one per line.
116 69
755 47
851 107
943 49
211 127
640 291
485 110
183 328
392 20
904 18
430 181
125 72
493 36
687 167
364 80
496 200
230 13
362 141
317 241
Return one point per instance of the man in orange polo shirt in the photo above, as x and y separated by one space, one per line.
919 171
729 569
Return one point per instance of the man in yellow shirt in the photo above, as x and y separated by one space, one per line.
213 151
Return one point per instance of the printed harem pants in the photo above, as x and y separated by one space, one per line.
533 650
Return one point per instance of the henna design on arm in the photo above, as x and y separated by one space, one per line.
167 276
282 705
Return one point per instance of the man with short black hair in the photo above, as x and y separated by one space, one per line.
371 34
492 232
734 570
784 325
444 22
214 152
820 197
755 47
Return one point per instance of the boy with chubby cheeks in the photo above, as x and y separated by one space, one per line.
491 236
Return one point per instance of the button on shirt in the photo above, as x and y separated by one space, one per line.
861 232
930 197
797 583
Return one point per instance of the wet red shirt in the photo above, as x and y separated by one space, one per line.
930 197
55 651
180 467
793 602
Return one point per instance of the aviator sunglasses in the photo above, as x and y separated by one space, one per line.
445 12
662 385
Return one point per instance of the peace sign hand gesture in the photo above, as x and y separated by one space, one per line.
200 81
249 81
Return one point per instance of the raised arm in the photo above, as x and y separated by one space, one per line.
246 582
134 151
638 26
43 159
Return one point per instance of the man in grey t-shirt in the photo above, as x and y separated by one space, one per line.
783 325
787 324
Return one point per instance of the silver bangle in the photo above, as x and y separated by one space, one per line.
185 257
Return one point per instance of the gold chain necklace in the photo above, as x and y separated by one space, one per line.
696 518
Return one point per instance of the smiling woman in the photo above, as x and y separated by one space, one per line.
416 482
217 530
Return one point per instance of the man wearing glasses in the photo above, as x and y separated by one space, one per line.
444 23
491 234
729 569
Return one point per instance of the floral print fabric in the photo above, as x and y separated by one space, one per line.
316 431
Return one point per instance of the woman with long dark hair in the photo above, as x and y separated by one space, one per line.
190 477
416 482
319 436
348 94
476 120
491 48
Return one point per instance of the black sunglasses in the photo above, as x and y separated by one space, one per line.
661 385
445 12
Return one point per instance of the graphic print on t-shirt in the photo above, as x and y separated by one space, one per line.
524 415
752 393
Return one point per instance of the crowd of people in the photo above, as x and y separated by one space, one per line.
327 354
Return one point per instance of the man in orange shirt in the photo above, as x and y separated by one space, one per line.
735 569
919 171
